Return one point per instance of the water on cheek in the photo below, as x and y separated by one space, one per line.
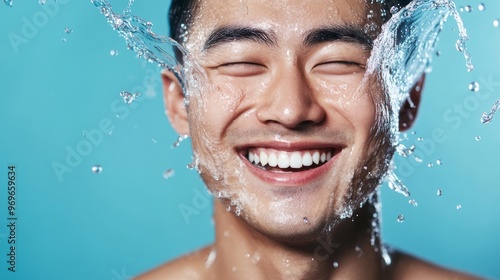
401 40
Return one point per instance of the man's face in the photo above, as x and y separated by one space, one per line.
287 128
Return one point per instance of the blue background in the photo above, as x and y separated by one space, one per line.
126 220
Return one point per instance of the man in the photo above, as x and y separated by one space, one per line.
292 136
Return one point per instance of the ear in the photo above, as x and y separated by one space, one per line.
173 98
408 112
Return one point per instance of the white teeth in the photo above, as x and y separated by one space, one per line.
295 160
289 159
315 157
307 159
263 159
273 160
283 161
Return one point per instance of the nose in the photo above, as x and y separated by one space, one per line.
290 102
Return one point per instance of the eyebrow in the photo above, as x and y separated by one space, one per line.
227 34
343 33
332 33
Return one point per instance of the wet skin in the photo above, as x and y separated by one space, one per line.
289 137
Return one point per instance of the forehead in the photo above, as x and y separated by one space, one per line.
290 18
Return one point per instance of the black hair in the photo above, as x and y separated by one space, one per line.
180 17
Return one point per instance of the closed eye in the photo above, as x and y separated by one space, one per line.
339 67
241 69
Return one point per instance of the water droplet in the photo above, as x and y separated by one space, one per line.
128 97
480 7
63 40
117 21
247 255
438 53
459 206
179 140
496 22
439 162
42 2
417 159
430 165
394 9
154 140
468 8
400 218
335 264
474 86
211 258
459 45
168 173
67 30
478 138
96 169
256 258
439 192
413 202
113 52
414 132
8 2
306 220
420 139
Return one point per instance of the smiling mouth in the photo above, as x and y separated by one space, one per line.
273 160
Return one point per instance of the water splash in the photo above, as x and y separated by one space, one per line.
179 140
488 117
128 97
404 49
403 52
8 2
141 39
395 184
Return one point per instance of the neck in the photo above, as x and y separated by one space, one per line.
344 253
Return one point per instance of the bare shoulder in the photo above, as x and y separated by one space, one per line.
408 267
190 266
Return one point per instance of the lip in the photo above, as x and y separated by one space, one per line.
295 178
